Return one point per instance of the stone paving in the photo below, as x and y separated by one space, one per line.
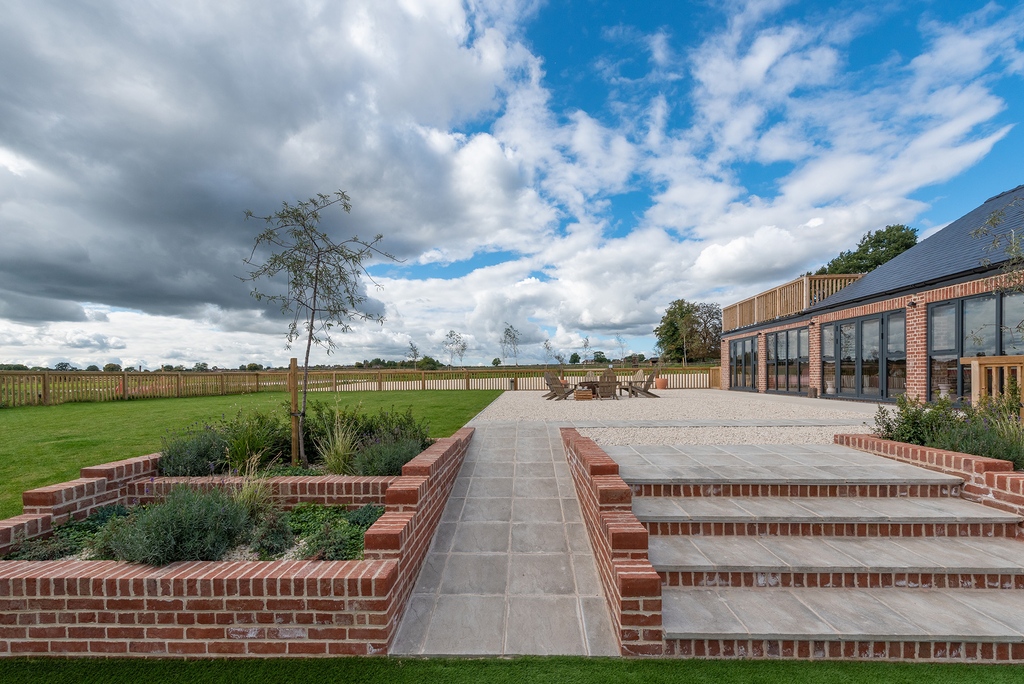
510 570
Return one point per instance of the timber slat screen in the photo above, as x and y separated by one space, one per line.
32 388
785 300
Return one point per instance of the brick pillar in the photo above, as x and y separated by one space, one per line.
762 364
814 355
917 349
726 371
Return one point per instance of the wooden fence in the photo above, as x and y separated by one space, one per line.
44 388
785 300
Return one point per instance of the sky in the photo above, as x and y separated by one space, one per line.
566 167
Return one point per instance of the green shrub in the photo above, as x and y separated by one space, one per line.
68 539
188 525
254 433
365 516
992 429
307 518
387 458
385 426
193 452
272 536
337 447
335 540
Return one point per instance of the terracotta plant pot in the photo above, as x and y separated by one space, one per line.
660 383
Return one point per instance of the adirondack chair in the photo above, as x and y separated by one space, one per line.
643 389
607 385
557 389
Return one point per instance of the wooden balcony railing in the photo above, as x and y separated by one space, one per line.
784 300
990 375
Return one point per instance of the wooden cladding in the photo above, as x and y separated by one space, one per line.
785 300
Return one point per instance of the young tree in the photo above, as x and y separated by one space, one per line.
560 358
620 342
323 291
549 352
586 349
414 353
510 342
453 346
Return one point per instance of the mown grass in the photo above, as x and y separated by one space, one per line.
42 445
554 670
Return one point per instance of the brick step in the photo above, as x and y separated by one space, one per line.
910 563
840 517
933 624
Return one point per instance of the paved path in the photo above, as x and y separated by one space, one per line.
510 570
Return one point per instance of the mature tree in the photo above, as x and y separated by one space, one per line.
689 330
413 354
323 290
201 367
454 345
599 357
575 358
873 250
112 368
620 342
510 342
496 362
428 363
64 367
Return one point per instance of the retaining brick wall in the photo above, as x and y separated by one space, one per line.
631 585
989 481
218 609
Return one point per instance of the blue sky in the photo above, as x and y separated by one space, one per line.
566 167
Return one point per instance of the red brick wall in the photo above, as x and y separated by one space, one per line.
216 609
989 481
631 585
917 351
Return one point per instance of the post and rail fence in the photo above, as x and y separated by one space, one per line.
990 375
47 388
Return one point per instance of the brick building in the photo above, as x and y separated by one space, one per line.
902 328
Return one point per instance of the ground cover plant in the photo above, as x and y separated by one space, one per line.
548 670
42 445
192 525
992 429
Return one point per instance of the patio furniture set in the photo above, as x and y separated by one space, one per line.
607 386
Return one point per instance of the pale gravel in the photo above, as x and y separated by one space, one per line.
690 405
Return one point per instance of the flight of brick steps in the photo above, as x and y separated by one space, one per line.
776 554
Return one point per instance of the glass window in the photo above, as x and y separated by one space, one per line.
769 343
828 342
942 373
896 339
869 363
942 327
979 328
847 358
1013 324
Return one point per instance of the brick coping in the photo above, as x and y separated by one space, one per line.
223 608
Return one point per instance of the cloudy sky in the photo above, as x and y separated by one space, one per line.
569 167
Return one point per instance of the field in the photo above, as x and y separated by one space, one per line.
41 445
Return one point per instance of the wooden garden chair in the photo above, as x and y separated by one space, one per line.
643 389
607 385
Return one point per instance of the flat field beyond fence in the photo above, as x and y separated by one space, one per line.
44 445
48 388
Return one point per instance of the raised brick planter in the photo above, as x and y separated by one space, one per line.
988 481
631 586
217 609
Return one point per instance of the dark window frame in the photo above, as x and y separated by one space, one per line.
884 357
779 368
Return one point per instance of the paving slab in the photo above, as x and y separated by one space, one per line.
510 570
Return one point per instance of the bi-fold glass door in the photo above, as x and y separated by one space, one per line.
865 358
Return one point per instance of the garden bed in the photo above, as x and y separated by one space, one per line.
213 609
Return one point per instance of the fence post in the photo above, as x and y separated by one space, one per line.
177 385
467 379
380 381
293 388
46 388
124 386
334 381
423 380
257 382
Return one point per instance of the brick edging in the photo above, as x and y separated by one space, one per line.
989 481
218 609
631 585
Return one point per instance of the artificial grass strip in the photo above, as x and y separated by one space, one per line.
545 670
43 445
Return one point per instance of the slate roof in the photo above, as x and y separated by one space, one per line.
949 254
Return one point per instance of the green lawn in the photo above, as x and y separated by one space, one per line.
41 445
514 671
